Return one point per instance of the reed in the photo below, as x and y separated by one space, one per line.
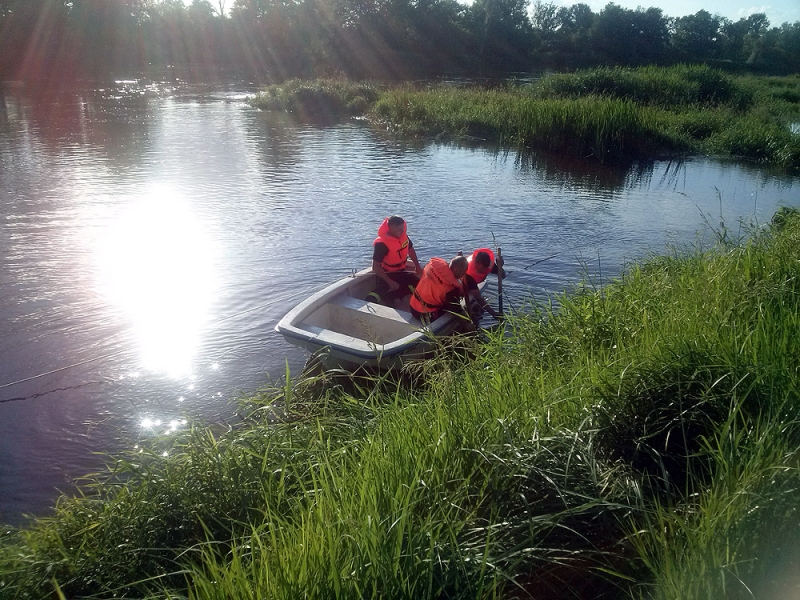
602 128
602 122
606 114
666 87
320 99
635 440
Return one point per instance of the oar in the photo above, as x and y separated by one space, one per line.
499 281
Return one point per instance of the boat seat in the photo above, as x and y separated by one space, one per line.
334 338
364 306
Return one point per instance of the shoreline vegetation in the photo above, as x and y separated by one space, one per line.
639 440
605 114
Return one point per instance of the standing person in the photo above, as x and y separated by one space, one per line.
440 289
391 250
481 263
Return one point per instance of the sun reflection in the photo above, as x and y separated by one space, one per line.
158 265
155 425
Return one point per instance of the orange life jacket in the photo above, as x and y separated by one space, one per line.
395 260
436 282
472 269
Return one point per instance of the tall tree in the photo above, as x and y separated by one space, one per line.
734 35
203 9
545 17
571 38
629 37
698 37
788 47
504 31
219 7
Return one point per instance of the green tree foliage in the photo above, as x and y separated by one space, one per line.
630 37
787 47
698 36
739 36
504 30
775 50
202 9
574 24
280 39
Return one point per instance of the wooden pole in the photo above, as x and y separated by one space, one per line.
499 281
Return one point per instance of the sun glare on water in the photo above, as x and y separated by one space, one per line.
158 266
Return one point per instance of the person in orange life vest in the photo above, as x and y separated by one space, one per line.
439 289
390 252
481 263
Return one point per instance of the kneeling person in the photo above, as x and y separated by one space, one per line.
440 289
481 263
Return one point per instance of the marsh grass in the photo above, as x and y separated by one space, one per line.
670 87
618 114
606 114
638 440
601 128
326 100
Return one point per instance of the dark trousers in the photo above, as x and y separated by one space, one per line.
452 304
407 280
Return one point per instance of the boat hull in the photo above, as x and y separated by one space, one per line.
346 330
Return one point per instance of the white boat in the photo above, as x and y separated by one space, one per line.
348 330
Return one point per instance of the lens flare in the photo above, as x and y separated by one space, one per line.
158 265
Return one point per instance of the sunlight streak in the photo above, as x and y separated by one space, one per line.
158 266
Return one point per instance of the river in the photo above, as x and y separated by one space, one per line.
152 233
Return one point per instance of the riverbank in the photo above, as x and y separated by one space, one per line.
602 114
642 439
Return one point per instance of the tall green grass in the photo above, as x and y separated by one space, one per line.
639 440
601 128
606 114
321 99
666 87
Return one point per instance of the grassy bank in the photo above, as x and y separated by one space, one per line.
640 441
603 114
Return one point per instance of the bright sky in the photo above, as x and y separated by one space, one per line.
777 11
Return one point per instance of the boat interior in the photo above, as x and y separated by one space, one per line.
361 319
351 313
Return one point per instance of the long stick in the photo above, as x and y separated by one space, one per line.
499 281
541 260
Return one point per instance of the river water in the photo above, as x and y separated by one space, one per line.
153 233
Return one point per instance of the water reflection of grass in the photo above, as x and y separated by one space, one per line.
603 114
642 440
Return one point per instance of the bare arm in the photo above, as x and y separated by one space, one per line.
413 254
475 296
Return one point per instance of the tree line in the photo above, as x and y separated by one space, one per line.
388 39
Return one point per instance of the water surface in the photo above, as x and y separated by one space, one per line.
153 233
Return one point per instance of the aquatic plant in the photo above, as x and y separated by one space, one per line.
605 114
604 129
320 99
667 87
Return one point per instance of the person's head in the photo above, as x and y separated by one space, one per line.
483 262
396 226
459 266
